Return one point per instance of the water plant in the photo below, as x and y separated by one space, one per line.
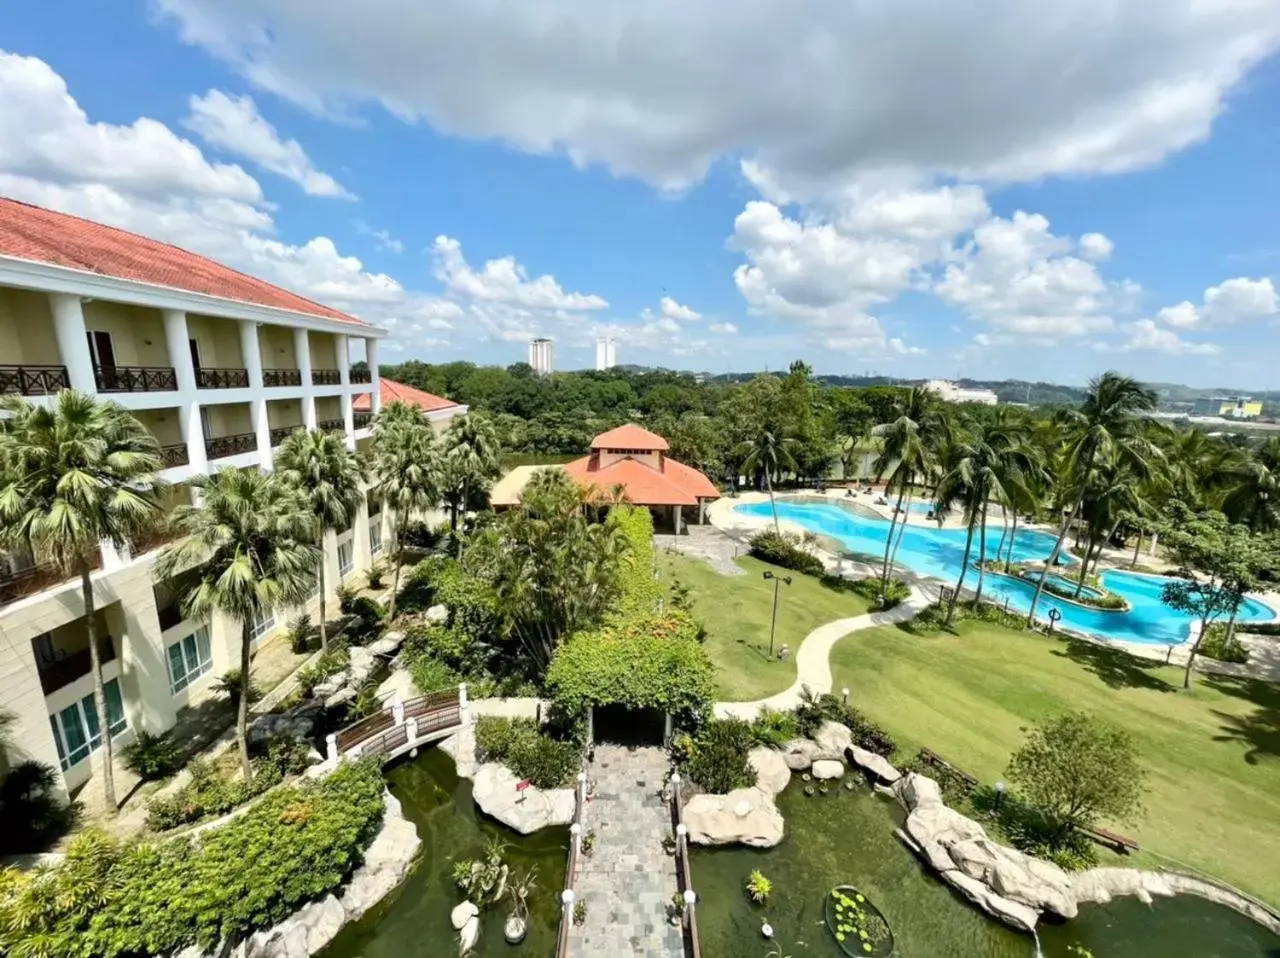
759 887
580 912
856 924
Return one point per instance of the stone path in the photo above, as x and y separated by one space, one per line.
708 543
628 880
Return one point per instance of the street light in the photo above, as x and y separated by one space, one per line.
999 798
773 623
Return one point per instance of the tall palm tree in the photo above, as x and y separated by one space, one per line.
471 455
909 451
1113 494
331 476
770 452
1108 423
406 476
1253 488
251 548
72 476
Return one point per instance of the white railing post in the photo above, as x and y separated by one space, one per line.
689 899
462 695
354 751
397 711
411 729
566 898
582 789
331 747
682 840
576 831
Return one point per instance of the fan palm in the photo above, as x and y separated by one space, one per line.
251 549
319 465
909 451
406 476
471 455
1107 424
73 475
769 452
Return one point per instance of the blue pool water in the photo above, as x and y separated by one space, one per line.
1062 582
938 553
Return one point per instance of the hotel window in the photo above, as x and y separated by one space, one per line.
189 659
346 557
262 626
76 730
375 534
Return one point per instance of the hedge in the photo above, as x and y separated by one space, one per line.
639 590
784 549
108 899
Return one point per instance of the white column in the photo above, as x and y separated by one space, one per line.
177 341
73 344
344 376
371 358
251 352
302 351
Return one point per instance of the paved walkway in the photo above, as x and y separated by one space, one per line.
708 543
628 880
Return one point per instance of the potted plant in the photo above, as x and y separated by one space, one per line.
676 912
589 842
669 844
580 912
517 924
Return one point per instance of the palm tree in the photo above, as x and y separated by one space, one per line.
1253 488
72 476
320 465
1107 423
1113 494
251 548
406 476
910 448
770 452
471 456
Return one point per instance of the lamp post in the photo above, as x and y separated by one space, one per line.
999 798
773 622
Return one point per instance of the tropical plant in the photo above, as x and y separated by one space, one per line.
470 458
232 685
1253 490
73 475
331 477
910 445
251 547
151 756
1106 426
770 453
759 888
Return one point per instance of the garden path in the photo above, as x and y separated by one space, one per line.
629 879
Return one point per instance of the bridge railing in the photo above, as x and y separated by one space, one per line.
399 724
684 871
567 896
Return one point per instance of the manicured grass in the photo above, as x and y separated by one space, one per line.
735 610
1213 754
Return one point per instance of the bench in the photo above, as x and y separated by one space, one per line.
931 757
1121 844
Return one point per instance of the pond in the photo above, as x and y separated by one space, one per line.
847 838
415 919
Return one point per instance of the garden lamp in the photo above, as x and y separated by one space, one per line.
773 622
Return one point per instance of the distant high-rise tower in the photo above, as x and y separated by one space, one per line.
542 356
606 357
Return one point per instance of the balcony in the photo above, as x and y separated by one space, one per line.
158 535
361 376
14 584
33 380
361 419
332 425
326 377
281 433
175 455
222 446
214 378
282 377
135 379
62 671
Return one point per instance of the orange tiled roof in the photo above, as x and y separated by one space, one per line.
391 391
43 236
630 436
675 484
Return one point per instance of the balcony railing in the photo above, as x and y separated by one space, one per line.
361 376
33 380
161 534
282 377
281 433
332 425
361 419
214 378
31 578
175 455
75 665
135 379
221 446
326 377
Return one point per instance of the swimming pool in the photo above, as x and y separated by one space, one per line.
938 553
1062 582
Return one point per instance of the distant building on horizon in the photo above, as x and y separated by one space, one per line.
606 357
542 356
948 391
1240 407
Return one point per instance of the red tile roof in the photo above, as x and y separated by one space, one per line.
392 391
43 236
629 436
674 484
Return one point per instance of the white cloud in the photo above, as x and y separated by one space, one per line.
505 281
670 309
814 92
1145 334
1096 247
917 214
1239 300
726 328
234 124
383 238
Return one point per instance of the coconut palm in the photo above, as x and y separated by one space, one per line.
1112 496
769 452
72 476
320 465
251 549
909 451
470 458
1253 488
1107 424
406 476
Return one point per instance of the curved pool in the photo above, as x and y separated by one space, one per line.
939 553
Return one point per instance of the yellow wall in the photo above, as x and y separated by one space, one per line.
137 333
328 407
284 412
163 424
229 419
219 341
323 352
276 345
26 329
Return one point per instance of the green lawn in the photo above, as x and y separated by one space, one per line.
1213 755
735 610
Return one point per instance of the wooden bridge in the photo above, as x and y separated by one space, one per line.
402 726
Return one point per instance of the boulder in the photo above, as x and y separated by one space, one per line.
1100 885
1036 884
772 774
799 754
438 614
827 768
462 914
946 826
461 747
397 685
386 861
387 645
918 791
1020 916
877 765
289 724
362 664
527 811
341 697
833 738
326 687
469 935
303 934
745 816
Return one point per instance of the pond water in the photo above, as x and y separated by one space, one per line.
847 838
415 919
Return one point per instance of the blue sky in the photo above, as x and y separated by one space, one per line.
919 193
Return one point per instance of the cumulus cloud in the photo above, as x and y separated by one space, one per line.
234 124
504 281
1145 334
814 91
724 329
383 238
1096 247
668 308
1235 301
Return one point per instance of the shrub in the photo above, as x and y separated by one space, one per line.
718 758
895 593
346 599
785 549
369 616
300 633
813 710
1214 645
639 591
152 757
376 573
529 752
322 668
228 684
33 817
430 674
774 728
495 736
